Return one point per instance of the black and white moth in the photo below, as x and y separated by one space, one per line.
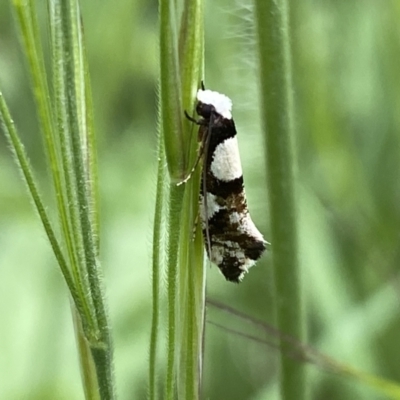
232 240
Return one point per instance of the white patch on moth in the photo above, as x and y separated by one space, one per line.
226 164
238 253
247 226
217 254
247 264
235 217
232 249
212 206
241 276
232 245
221 103
244 268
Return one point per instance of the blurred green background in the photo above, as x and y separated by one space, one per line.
346 58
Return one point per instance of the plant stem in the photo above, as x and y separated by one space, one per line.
180 67
26 170
170 93
175 207
156 265
101 346
277 114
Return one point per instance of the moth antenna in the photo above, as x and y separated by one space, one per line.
202 85
205 201
189 175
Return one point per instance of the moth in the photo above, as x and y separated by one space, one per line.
231 239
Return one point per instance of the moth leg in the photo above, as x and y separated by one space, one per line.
195 121
191 119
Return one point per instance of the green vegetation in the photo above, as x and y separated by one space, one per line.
346 119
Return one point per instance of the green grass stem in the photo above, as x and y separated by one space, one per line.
23 163
76 102
170 92
176 194
277 114
157 258
67 128
181 62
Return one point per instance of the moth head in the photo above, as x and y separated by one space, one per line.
205 110
213 102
